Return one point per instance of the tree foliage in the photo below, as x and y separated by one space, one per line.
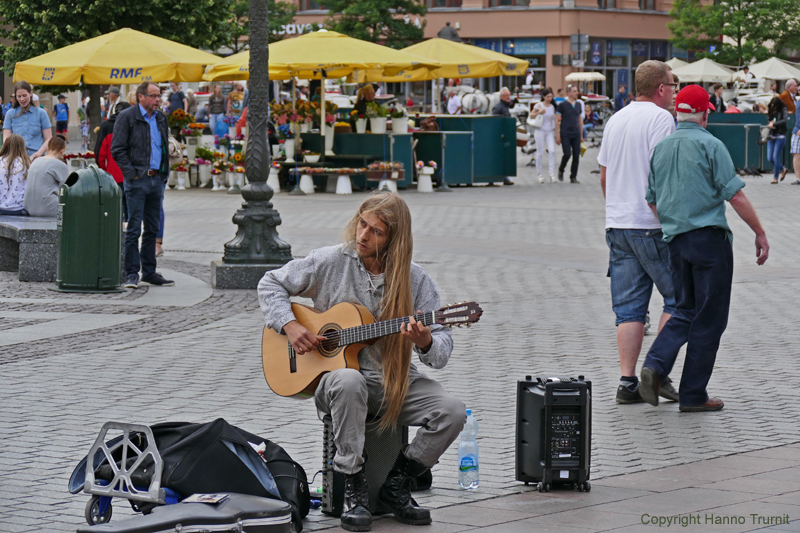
741 30
389 22
280 13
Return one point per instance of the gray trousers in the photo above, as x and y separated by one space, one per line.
348 396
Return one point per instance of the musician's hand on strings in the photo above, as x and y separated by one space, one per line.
300 338
417 333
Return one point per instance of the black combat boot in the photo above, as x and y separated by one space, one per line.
355 509
395 494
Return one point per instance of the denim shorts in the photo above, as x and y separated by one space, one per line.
638 258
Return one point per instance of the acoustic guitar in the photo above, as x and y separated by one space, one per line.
347 328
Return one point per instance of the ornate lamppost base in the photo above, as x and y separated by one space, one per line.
256 249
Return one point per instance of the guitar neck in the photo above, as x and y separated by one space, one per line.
376 330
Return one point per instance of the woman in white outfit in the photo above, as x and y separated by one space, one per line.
545 135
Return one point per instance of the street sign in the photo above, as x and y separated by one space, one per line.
579 42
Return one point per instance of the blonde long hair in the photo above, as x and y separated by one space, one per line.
395 260
14 149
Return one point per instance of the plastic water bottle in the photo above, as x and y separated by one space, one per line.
468 454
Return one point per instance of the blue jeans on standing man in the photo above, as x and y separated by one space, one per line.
775 153
638 259
702 273
571 145
144 197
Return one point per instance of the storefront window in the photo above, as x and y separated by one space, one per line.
505 3
444 3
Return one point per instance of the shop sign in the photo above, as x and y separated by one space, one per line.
536 61
658 50
622 77
616 61
296 29
525 47
616 47
488 44
596 56
640 48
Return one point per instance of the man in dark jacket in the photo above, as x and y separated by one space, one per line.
502 109
139 147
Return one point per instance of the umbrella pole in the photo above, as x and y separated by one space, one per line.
296 189
323 117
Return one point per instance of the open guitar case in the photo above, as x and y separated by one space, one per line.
214 457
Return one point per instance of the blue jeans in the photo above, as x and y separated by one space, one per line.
17 213
775 153
212 120
702 272
638 258
586 128
144 197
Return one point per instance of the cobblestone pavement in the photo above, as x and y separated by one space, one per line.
534 256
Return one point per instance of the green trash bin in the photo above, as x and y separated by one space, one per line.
89 233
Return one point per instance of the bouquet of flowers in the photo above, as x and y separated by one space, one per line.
216 171
276 165
396 112
238 158
284 131
420 165
280 113
376 110
230 120
179 119
201 161
433 165
193 130
87 155
239 169
205 153
225 140
305 111
355 115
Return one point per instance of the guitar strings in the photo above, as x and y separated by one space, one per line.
333 337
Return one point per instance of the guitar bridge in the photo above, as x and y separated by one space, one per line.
292 360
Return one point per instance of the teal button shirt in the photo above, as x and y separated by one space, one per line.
691 177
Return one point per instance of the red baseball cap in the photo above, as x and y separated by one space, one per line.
693 99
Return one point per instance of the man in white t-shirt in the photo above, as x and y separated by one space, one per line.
638 258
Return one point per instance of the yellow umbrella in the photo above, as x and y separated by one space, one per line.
458 60
122 56
306 57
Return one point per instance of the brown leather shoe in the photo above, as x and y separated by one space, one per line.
783 173
713 404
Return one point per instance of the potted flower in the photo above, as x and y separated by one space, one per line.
377 117
310 157
424 181
330 120
231 122
273 181
182 173
216 177
192 134
203 171
179 119
284 131
399 120
360 120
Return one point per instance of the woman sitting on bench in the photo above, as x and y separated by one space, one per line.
14 164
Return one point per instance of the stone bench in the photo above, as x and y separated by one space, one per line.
29 245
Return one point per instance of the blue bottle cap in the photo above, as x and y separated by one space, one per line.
469 412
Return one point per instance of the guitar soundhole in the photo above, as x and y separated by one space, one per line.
330 347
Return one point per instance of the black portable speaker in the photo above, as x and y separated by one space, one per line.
554 432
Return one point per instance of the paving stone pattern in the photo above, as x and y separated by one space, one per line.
534 257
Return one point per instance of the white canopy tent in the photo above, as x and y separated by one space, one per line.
585 76
772 69
676 63
704 71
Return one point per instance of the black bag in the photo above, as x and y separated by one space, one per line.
217 457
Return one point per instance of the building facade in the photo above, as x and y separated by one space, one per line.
621 34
